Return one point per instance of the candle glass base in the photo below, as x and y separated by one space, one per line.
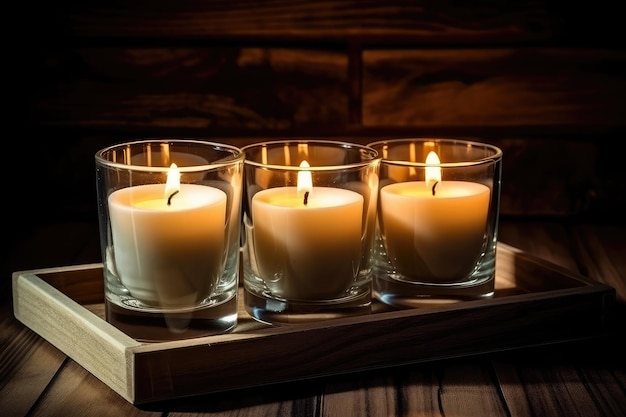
165 325
395 289
146 323
437 221
309 220
265 308
170 223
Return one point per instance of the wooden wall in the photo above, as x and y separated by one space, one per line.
544 80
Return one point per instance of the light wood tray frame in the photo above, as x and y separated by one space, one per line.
535 303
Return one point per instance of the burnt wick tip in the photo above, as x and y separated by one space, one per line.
169 200
434 185
306 198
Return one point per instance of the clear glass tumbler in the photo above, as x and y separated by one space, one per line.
309 221
437 226
170 220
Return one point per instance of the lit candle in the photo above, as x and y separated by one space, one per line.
307 239
434 230
168 240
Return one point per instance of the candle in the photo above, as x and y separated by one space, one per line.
307 239
434 230
168 240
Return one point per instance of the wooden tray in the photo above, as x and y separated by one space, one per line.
535 303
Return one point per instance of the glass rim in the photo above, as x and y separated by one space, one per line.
372 153
236 153
495 157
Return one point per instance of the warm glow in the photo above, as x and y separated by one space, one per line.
305 180
172 185
433 173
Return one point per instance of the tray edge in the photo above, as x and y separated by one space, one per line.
104 351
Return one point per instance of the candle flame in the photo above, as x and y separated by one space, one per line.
305 182
433 170
172 186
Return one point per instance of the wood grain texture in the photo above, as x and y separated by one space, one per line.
249 356
270 89
97 73
25 356
458 391
102 352
210 87
306 20
530 385
76 392
493 87
611 398
546 385
535 72
532 381
378 397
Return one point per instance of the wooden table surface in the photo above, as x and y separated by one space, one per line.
582 378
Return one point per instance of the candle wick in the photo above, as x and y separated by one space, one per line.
306 198
434 185
169 200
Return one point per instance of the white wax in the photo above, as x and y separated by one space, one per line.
435 238
168 255
312 251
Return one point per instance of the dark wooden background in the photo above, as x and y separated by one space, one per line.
544 80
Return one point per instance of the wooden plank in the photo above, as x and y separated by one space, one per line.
456 387
595 250
539 387
28 364
493 87
269 89
195 87
474 396
76 392
373 395
312 21
294 398
601 248
145 372
530 382
608 386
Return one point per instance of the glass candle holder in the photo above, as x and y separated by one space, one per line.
309 220
437 223
170 216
